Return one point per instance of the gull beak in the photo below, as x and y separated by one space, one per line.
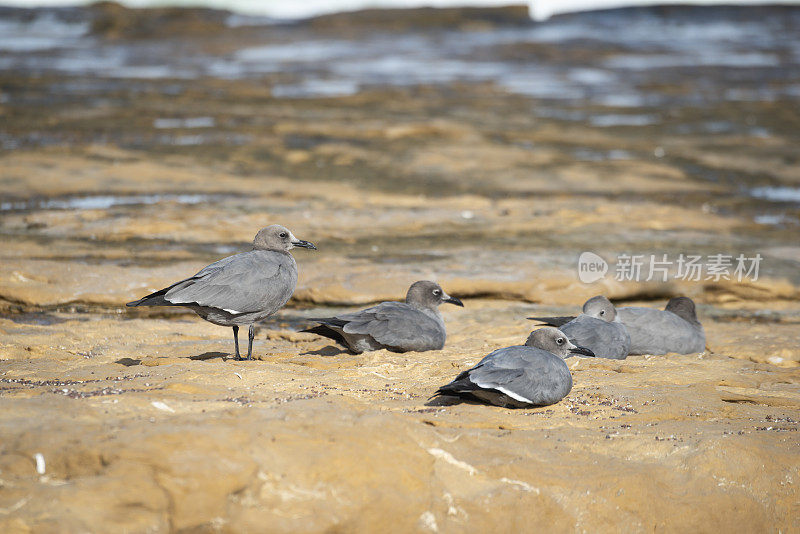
452 300
303 244
583 351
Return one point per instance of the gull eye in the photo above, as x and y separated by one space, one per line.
283 235
437 292
602 312
560 341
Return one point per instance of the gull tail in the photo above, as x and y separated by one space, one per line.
153 299
552 321
325 330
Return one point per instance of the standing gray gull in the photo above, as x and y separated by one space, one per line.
674 329
413 325
598 328
533 374
240 289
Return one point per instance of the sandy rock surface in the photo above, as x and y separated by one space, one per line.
152 421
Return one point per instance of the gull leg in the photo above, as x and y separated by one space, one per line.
236 340
250 335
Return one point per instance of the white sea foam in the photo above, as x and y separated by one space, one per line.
777 193
95 202
44 32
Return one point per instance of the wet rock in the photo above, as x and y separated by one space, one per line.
114 21
398 20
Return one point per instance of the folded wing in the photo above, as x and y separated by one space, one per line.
395 325
525 374
244 283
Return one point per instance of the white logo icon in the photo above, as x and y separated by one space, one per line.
591 267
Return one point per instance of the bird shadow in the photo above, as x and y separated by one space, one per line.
206 356
451 400
128 362
211 356
328 350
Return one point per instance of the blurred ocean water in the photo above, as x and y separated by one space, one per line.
711 90
539 9
611 58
